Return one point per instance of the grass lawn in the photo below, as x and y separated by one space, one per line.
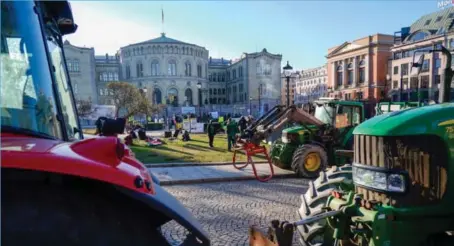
196 150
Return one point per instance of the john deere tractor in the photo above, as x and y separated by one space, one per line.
307 149
401 193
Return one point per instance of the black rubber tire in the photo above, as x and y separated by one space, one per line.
319 233
299 156
276 162
39 213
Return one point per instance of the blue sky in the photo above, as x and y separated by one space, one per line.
301 31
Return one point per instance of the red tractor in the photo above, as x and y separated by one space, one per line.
57 188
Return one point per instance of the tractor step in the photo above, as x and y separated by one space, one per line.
317 217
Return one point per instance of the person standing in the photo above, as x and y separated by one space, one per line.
232 130
211 133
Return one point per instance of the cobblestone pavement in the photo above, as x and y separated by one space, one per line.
226 210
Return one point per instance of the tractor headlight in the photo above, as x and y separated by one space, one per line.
289 137
379 179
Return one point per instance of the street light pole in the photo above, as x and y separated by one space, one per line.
288 73
250 109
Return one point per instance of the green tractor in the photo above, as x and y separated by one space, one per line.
397 190
307 149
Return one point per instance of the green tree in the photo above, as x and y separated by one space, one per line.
128 97
84 108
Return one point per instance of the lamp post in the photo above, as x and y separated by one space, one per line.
167 112
260 93
144 90
199 87
250 109
288 72
385 89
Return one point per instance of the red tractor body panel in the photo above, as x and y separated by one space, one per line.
93 158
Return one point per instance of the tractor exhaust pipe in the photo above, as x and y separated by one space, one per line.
445 86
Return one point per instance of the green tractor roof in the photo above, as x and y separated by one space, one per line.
410 121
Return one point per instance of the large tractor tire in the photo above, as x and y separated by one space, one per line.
55 210
320 233
308 160
275 153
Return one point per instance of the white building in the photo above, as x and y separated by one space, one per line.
311 85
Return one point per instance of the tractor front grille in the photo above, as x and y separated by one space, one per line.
424 157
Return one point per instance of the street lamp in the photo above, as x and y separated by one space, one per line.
385 90
288 70
199 87
250 110
144 90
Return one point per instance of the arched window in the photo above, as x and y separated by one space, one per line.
187 69
139 69
259 68
362 71
350 73
157 96
172 96
188 95
154 68
418 36
172 68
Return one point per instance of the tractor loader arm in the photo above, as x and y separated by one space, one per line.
276 118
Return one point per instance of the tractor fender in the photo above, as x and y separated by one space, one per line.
163 202
321 145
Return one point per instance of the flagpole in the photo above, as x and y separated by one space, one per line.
162 20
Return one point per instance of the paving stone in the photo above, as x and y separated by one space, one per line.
227 209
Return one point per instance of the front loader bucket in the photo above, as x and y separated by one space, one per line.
279 234
256 238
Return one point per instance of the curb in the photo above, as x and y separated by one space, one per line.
193 164
229 179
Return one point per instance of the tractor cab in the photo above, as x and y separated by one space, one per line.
69 190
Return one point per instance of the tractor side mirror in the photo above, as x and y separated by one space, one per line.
61 13
111 127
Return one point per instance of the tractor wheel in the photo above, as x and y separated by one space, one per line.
272 154
72 213
319 233
308 160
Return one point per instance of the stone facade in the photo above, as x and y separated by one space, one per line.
311 85
172 72
168 68
81 66
428 31
251 83
357 69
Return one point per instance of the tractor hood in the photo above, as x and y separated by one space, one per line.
97 159
297 129
410 121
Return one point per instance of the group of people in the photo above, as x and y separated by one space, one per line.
232 129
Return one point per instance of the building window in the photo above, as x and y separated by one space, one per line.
396 70
101 92
105 76
213 76
427 22
395 84
405 83
350 74
155 68
111 77
172 68
425 65
234 74
414 82
188 94
116 76
439 18
223 91
211 91
240 71
157 96
210 77
172 96
437 63
187 69
219 77
404 69
437 79
128 71
73 65
340 75
139 70
425 81
199 71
